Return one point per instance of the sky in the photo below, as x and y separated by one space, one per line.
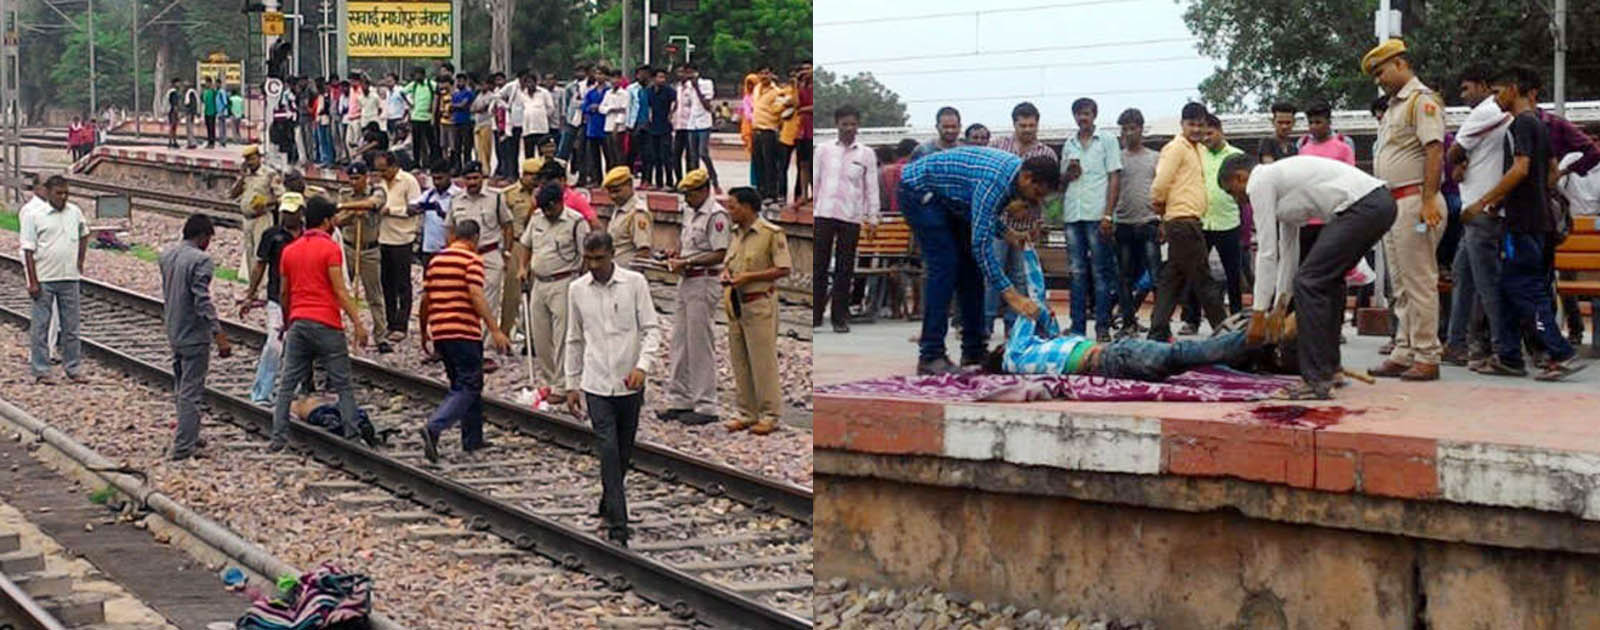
1121 53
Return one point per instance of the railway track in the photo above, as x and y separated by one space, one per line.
20 611
226 214
726 547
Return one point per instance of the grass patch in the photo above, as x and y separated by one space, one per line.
149 254
10 221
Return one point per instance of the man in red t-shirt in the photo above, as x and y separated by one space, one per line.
312 294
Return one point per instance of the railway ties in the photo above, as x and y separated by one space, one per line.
712 548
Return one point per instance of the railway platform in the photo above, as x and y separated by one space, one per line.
1470 500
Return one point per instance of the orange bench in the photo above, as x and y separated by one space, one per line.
886 264
1580 253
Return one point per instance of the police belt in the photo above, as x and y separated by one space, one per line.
695 272
488 248
1405 191
751 297
558 276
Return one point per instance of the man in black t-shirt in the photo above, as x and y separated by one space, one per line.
1530 230
267 254
174 107
1280 145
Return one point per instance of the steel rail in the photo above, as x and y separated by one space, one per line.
684 594
19 611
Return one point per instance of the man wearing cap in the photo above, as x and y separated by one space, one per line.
549 254
519 200
495 225
358 224
257 187
1410 158
703 242
631 222
758 255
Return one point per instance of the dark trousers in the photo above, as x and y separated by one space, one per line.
506 153
306 342
944 234
1475 294
396 279
426 138
463 146
463 364
615 420
530 146
1319 288
657 154
1138 253
1186 269
1226 243
1526 301
765 156
211 130
593 151
785 151
833 236
680 151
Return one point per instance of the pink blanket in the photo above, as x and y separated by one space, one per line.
1210 384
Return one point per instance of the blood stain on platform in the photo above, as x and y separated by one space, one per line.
1301 415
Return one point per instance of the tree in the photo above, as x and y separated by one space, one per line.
880 106
733 37
1306 50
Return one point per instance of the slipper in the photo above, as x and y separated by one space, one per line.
1303 391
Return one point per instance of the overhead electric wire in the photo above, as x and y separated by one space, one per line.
1108 62
980 12
1038 95
977 53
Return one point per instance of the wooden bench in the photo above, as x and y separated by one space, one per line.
1580 253
886 264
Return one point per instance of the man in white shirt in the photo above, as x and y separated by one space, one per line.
1582 191
694 101
1477 160
612 339
846 196
1357 209
54 241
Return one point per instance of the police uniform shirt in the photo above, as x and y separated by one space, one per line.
485 208
520 203
555 246
760 247
630 228
260 188
1415 118
705 229
367 218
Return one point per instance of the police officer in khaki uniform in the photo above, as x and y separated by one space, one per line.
757 256
1409 158
257 188
549 254
495 236
519 200
359 213
631 221
703 239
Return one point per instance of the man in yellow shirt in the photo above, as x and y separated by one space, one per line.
1179 195
767 151
397 230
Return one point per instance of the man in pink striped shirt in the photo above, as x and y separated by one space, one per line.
846 189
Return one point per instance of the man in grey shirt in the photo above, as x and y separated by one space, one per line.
192 324
1137 225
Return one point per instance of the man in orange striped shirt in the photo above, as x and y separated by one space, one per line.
452 316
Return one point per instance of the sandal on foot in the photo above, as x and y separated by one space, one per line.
1304 391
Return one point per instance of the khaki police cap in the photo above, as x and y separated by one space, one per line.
1381 53
694 180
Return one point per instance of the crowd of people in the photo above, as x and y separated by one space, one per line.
657 121
1285 224
527 262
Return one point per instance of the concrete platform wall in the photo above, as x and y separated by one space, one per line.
1215 569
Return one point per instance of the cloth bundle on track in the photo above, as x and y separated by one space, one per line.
325 599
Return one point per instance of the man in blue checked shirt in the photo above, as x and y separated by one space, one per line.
952 200
1036 346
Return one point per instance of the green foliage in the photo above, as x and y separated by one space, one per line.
1305 50
732 37
113 64
880 106
102 495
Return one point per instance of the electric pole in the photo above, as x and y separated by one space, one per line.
94 103
137 131
1560 31
625 64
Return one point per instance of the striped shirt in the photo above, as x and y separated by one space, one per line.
1037 346
979 179
448 282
